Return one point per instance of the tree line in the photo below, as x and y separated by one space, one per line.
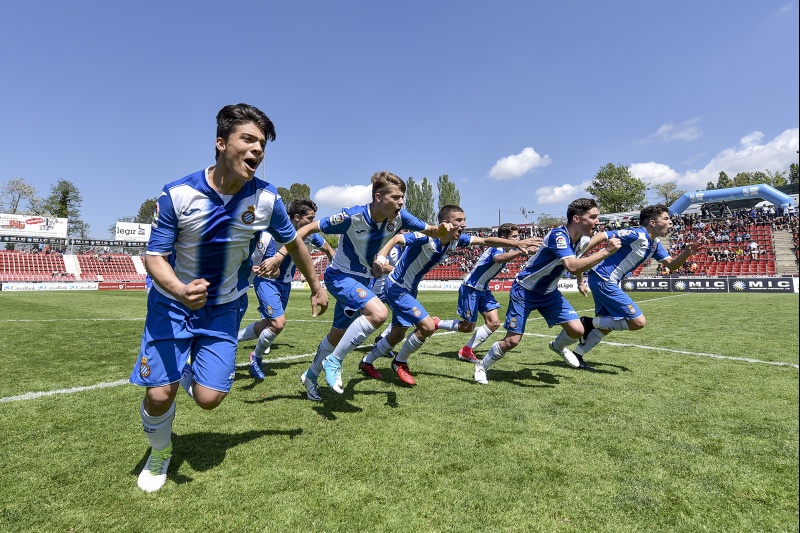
614 187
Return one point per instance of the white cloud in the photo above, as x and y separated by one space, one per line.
561 193
785 9
514 166
333 198
653 172
667 132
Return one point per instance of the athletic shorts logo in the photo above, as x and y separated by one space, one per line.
144 369
468 314
249 216
512 323
269 310
416 312
362 293
631 310
390 226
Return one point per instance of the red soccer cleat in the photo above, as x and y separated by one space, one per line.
370 370
466 354
403 372
436 321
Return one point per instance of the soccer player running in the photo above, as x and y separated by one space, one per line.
420 255
616 310
358 313
474 296
273 292
536 286
199 258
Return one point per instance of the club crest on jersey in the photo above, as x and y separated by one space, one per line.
416 312
249 216
390 226
561 242
624 232
144 368
338 218
362 293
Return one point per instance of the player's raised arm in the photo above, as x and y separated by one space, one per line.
319 296
577 265
438 232
307 230
381 257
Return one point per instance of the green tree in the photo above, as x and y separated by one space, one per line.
419 200
15 194
710 186
794 173
669 192
550 221
776 179
616 189
333 240
295 190
448 193
723 182
65 201
147 211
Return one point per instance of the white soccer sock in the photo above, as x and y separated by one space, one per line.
592 340
187 380
606 322
448 325
247 333
324 349
480 335
563 340
353 336
412 344
492 356
381 349
385 332
158 429
264 341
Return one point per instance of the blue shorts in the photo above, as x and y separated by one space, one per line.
406 310
272 296
173 332
611 300
472 302
351 293
554 308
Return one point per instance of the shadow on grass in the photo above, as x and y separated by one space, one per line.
598 368
206 450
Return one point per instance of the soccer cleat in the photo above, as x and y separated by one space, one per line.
312 390
570 358
154 473
480 375
255 366
588 326
333 373
583 365
403 372
436 321
369 370
466 354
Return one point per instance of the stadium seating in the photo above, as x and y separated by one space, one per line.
108 267
18 266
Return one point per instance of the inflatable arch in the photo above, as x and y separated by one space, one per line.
734 193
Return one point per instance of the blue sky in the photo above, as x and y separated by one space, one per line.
520 103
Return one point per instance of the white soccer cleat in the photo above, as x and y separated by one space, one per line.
567 355
480 374
154 473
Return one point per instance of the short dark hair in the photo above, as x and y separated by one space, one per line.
301 206
579 207
445 211
232 116
650 212
505 230
381 181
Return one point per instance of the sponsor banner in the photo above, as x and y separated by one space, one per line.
33 240
95 242
439 285
33 226
695 284
500 285
130 231
50 286
119 285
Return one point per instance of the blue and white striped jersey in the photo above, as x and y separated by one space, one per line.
266 248
421 254
543 270
391 259
362 238
637 247
212 237
484 270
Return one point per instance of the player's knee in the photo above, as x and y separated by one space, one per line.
493 325
637 323
207 398
278 324
511 342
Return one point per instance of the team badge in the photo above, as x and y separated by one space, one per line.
468 314
631 309
260 245
416 312
144 368
362 293
338 218
561 242
249 216
624 232
512 323
269 310
390 226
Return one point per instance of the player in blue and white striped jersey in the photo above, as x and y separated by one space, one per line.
474 296
199 258
273 293
420 255
616 310
536 286
364 230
